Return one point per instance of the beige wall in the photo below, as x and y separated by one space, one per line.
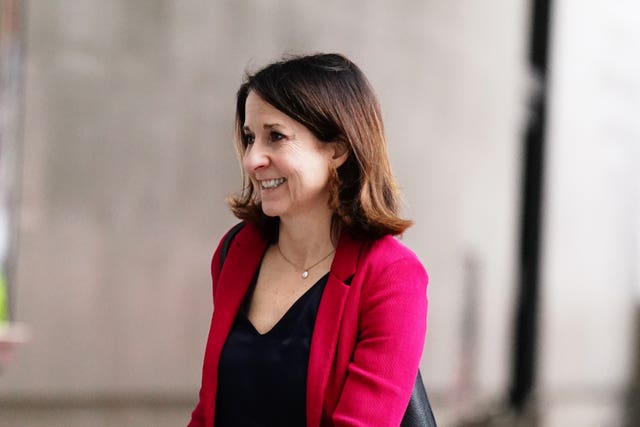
128 158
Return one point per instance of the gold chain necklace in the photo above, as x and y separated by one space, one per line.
305 271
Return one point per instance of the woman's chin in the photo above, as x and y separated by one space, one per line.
271 211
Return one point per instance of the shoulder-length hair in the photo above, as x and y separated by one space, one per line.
331 97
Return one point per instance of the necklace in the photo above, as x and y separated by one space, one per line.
305 271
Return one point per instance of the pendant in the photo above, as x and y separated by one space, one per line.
305 274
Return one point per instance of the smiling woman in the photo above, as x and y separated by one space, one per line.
327 97
320 313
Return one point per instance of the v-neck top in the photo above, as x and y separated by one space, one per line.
262 378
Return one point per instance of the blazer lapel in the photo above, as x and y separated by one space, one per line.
242 261
327 326
244 256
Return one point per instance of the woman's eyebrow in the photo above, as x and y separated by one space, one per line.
271 125
246 128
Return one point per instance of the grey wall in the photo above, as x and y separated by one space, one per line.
128 158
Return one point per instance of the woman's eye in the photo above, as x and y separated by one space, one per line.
275 136
248 139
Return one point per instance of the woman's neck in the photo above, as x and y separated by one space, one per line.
305 240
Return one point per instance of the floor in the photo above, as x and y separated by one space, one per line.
95 417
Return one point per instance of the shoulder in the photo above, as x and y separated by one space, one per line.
388 255
388 250
390 282
239 232
239 237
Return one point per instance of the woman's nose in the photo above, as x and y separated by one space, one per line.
255 157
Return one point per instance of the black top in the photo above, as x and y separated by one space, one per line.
262 378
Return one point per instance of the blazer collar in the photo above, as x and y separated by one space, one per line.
242 261
239 270
243 258
328 324
252 246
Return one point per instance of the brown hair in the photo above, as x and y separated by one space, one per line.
331 97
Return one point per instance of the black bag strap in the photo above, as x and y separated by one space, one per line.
227 241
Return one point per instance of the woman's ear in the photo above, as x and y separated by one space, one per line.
340 153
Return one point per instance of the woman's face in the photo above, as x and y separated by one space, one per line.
287 164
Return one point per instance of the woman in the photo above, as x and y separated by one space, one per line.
320 313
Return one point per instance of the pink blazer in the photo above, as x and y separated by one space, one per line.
368 337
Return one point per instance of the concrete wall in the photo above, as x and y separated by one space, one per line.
128 158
